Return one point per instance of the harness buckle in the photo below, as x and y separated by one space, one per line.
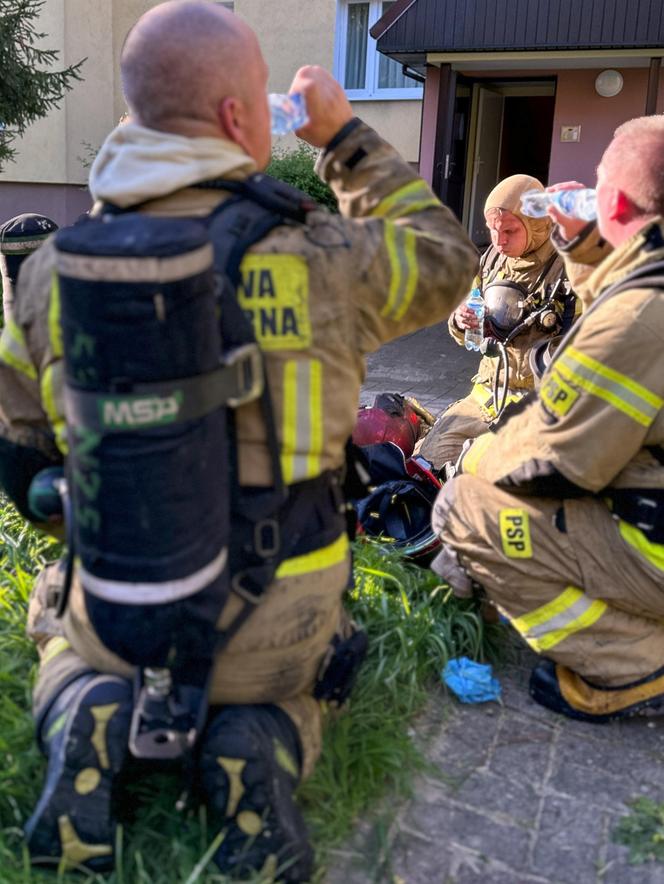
267 538
241 586
247 363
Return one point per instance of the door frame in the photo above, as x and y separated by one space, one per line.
508 87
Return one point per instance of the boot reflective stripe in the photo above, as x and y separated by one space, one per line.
401 244
102 715
412 197
74 851
317 560
127 593
233 768
14 350
653 552
50 389
568 613
302 434
620 391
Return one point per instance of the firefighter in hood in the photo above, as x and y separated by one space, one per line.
559 515
319 291
520 265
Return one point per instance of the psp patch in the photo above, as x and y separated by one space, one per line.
557 396
274 294
515 533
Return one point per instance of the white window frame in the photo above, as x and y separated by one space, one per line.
371 92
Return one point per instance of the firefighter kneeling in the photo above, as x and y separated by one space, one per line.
559 514
205 619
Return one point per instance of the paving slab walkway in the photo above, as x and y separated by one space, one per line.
515 794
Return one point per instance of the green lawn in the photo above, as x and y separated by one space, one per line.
414 624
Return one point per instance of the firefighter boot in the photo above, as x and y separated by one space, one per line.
561 690
250 765
84 736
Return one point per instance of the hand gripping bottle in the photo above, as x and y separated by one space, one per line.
473 337
289 112
579 203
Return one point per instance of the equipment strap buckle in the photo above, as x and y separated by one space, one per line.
267 538
245 586
247 362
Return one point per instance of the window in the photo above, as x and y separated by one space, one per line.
364 72
229 4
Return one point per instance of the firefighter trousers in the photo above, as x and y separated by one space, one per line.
275 657
577 584
462 420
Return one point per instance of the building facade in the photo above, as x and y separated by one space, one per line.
532 86
51 168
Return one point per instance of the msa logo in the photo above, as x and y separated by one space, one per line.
128 412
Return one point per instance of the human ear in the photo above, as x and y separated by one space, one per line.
620 205
230 116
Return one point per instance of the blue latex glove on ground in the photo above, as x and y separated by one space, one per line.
471 682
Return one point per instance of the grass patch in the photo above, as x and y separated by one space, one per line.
642 831
415 626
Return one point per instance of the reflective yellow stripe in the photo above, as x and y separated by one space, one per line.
317 560
51 387
472 459
481 395
54 646
302 433
315 418
653 552
14 350
620 391
547 626
412 197
401 244
289 432
54 327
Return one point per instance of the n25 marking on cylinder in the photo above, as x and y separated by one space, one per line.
515 533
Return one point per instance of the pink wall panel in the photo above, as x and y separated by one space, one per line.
577 103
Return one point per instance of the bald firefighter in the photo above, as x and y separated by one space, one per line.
522 256
559 515
320 291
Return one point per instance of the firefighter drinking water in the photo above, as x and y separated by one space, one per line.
559 514
518 273
208 520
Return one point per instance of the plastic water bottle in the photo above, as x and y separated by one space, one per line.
473 337
289 112
581 203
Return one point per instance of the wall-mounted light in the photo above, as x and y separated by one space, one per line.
608 83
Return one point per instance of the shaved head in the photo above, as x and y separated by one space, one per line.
182 58
634 162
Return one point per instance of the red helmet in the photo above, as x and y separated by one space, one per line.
390 419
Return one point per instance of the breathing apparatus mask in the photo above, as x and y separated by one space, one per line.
509 309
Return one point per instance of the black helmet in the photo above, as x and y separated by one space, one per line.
398 509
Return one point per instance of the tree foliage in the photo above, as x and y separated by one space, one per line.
296 167
29 88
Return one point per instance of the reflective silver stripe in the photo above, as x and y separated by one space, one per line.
135 269
127 593
300 462
562 620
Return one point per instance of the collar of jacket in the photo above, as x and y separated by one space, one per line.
633 254
137 164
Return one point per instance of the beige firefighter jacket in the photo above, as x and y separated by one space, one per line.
601 402
321 295
526 271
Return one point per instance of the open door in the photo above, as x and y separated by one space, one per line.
486 158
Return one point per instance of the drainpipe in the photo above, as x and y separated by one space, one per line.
653 86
